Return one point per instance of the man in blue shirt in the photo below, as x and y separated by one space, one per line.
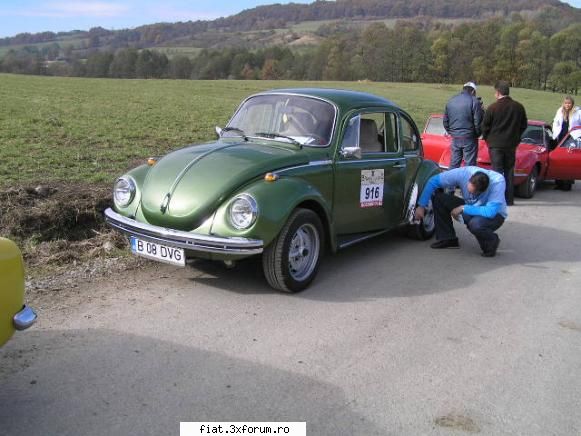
483 206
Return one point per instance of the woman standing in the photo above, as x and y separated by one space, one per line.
567 117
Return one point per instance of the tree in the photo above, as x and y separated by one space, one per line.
150 64
123 64
180 67
98 64
271 70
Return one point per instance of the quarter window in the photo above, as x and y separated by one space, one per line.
409 136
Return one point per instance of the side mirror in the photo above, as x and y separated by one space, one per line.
218 131
351 152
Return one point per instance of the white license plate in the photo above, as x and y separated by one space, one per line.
159 252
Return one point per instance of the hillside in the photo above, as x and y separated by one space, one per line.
255 27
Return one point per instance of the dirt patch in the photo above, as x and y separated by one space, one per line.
457 422
57 212
59 226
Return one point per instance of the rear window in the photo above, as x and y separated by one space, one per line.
435 126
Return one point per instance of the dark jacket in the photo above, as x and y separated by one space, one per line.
503 124
463 116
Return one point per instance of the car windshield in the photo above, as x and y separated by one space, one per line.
286 118
533 135
435 126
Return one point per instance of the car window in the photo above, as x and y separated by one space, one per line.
435 126
372 132
306 120
533 135
573 141
351 136
409 136
391 141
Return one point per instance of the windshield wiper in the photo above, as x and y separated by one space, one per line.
273 135
235 129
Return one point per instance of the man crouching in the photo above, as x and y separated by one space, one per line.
483 206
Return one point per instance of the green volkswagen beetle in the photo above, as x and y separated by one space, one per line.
294 172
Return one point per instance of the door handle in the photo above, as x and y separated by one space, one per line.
400 165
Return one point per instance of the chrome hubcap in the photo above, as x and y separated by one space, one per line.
304 252
428 221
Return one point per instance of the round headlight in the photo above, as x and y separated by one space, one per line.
243 211
124 191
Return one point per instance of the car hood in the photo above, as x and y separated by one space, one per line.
184 187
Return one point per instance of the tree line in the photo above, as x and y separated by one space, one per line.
519 51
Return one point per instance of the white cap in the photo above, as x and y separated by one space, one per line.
471 85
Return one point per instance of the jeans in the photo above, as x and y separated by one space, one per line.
503 161
482 228
466 148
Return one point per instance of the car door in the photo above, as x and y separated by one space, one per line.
565 159
435 139
370 174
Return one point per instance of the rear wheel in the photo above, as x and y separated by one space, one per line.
528 188
425 229
291 261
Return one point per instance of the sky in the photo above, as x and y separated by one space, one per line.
18 16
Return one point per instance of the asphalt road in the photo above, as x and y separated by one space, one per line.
393 338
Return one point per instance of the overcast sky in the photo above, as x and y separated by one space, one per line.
65 15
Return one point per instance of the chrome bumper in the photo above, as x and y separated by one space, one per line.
180 239
24 319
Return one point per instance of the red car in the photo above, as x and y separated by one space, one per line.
537 157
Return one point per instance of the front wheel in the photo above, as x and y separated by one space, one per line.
291 261
528 188
425 229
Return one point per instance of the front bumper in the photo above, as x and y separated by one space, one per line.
24 319
186 240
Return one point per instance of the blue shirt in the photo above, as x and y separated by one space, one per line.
487 204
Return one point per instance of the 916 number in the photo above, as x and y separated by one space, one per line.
372 193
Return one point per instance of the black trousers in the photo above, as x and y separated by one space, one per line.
503 161
482 228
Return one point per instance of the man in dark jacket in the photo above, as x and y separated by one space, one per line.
503 124
462 119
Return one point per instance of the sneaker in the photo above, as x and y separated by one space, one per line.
446 243
492 251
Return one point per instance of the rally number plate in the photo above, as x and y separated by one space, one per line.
162 253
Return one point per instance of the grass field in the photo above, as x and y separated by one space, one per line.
92 130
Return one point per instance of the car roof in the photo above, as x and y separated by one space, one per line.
345 99
530 122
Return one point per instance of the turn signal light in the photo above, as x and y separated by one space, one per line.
270 177
151 161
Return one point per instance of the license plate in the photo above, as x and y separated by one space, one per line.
162 253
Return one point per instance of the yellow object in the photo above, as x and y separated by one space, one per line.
270 177
11 287
151 161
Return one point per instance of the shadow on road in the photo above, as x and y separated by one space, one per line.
101 382
392 266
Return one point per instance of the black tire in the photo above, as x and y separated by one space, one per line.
426 228
528 188
282 271
564 185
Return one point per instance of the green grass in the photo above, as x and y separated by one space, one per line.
92 130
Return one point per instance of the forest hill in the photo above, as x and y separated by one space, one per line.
519 51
